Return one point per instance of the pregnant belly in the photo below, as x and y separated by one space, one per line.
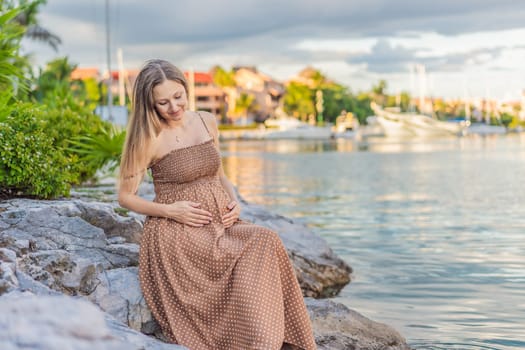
211 196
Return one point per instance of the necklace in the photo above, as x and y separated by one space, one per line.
177 138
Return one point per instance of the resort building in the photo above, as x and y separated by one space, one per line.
205 95
266 91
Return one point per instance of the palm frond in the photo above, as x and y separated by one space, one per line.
101 150
39 33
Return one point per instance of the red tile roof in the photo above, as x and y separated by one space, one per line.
201 77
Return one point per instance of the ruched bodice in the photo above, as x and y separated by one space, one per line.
213 287
181 166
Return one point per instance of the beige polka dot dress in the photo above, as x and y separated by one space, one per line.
211 287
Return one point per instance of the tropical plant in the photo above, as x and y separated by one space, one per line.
54 87
245 103
27 19
11 72
223 78
101 151
299 100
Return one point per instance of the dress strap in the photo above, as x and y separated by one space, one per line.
204 123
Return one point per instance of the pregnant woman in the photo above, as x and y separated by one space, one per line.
211 280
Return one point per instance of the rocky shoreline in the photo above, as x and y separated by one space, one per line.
68 279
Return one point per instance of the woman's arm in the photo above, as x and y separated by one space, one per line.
129 200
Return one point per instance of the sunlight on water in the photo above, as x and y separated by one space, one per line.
434 230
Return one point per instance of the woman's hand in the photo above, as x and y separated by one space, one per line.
188 213
232 215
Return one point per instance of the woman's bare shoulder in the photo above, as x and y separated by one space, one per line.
209 118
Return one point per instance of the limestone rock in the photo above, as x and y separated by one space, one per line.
8 280
119 294
337 327
60 322
58 248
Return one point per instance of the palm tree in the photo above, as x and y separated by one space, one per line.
27 19
244 104
11 72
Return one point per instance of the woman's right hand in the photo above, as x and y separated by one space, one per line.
188 213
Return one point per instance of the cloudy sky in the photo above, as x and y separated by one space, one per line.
473 48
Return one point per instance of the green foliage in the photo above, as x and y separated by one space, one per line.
299 100
516 123
30 164
362 108
66 125
506 119
336 99
55 88
97 151
223 78
92 93
11 33
36 157
48 135
245 103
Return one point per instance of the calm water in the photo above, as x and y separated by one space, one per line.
434 230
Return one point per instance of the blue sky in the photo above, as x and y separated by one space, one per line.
473 48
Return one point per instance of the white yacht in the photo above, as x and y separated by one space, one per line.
416 125
286 127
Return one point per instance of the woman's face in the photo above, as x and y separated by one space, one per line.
170 100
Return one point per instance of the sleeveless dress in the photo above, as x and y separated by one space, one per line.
210 287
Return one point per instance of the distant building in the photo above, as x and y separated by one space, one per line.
208 96
267 92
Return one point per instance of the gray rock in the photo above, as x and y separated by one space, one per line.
58 248
7 255
337 327
8 279
60 322
119 294
27 284
103 215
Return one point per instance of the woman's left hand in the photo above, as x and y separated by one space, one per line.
232 215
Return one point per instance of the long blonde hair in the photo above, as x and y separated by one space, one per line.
144 123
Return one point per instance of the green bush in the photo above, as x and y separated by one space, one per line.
30 163
64 125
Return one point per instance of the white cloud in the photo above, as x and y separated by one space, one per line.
356 43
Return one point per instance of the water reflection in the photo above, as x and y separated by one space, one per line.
434 231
